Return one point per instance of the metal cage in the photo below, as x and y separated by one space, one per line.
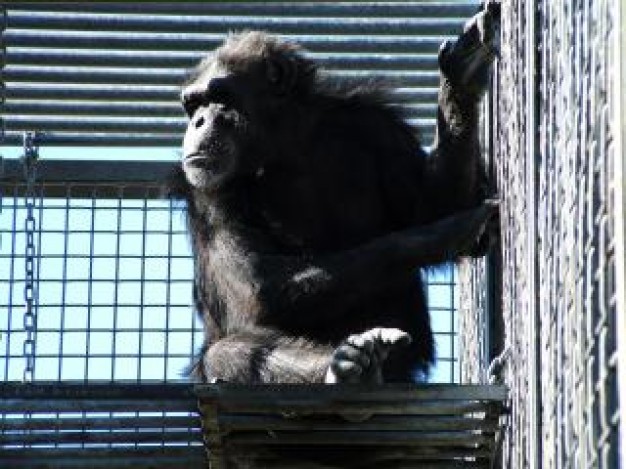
100 79
558 160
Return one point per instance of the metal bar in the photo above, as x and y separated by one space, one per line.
11 279
63 422
85 171
196 23
124 459
105 390
146 76
147 125
89 305
126 140
116 285
321 9
186 60
234 422
620 219
128 461
102 437
130 41
532 146
269 394
359 438
126 109
413 408
101 454
144 213
64 284
165 94
104 92
97 405
100 124
100 139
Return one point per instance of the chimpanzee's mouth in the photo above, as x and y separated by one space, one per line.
196 159
204 162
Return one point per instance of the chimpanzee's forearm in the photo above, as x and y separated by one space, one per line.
310 291
455 174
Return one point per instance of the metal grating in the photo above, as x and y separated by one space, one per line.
107 73
108 76
113 275
388 426
99 425
129 425
556 149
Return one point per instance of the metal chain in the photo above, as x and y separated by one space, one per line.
29 160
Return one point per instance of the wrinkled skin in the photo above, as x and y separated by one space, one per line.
312 206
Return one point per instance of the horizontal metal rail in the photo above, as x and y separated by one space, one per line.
98 139
89 171
183 60
399 425
183 41
148 76
71 425
119 67
333 10
122 139
152 93
445 426
200 23
152 109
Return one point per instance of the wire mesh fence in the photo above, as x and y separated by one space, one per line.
554 150
112 280
109 269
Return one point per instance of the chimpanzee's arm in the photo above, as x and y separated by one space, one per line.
455 174
326 286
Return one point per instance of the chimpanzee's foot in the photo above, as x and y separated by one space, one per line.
359 359
467 62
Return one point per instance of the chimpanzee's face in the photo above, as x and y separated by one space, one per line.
216 129
235 105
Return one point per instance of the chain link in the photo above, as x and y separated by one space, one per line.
29 161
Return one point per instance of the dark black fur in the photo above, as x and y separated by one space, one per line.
312 207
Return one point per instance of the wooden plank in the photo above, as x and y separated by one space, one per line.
230 423
352 393
375 438
293 408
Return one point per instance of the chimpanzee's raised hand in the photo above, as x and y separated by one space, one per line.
466 63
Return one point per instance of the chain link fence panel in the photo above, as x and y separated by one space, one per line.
554 149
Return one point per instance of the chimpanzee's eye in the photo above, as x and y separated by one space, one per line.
191 102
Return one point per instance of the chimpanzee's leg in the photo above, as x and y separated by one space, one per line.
262 355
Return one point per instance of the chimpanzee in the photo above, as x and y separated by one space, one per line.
312 206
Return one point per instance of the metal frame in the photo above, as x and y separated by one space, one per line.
122 70
532 147
620 214
409 426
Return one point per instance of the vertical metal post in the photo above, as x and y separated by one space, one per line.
620 218
532 155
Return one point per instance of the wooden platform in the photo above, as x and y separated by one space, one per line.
63 425
393 426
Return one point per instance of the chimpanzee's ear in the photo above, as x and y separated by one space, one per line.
175 185
282 73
